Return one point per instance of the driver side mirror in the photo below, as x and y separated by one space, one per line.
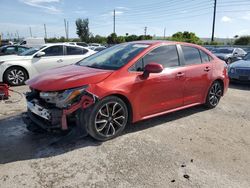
152 68
40 54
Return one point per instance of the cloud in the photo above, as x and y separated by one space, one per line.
80 11
43 4
243 32
111 13
226 19
246 16
122 8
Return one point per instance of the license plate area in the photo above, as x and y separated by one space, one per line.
39 110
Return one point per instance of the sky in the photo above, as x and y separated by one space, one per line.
132 16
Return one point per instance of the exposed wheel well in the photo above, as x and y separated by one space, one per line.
128 104
16 67
222 84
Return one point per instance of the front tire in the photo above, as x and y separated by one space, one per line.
15 76
106 119
214 95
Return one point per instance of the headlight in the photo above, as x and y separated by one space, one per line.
232 70
65 98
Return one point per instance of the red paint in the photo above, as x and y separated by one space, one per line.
159 93
4 91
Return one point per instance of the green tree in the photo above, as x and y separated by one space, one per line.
82 29
186 37
244 40
112 38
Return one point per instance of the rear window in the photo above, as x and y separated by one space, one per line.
191 55
75 50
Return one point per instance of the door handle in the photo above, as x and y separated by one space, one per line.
180 74
59 60
207 69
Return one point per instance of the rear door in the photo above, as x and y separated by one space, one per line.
53 58
161 91
73 54
197 74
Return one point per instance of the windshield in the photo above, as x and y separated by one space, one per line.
30 51
223 50
114 57
247 57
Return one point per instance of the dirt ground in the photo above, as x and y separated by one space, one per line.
190 148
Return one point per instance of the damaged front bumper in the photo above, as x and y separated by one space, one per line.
50 117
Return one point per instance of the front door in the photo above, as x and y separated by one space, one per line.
53 58
160 91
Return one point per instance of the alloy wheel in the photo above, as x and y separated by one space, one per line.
16 76
215 94
110 119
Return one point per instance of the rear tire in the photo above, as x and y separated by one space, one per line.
15 76
214 95
106 119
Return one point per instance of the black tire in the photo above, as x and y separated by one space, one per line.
15 76
214 95
105 125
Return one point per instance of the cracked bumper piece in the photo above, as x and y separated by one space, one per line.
54 118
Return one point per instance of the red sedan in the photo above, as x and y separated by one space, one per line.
126 83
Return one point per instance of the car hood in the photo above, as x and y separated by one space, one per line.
241 64
14 57
67 77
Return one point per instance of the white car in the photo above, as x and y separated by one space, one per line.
16 69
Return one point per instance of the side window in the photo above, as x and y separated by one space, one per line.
21 49
10 50
75 50
204 57
54 51
167 56
191 55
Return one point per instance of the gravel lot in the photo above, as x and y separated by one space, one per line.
211 148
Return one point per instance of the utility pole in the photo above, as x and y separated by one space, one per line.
215 4
45 31
30 32
65 27
164 35
145 31
17 34
67 30
114 22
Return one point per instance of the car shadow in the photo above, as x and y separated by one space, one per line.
16 143
240 85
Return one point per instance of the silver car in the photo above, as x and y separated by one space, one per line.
229 55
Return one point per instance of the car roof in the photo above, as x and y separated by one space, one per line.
63 43
158 42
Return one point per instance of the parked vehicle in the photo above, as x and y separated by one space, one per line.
229 55
33 42
94 45
126 83
240 70
83 44
98 49
12 49
16 69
